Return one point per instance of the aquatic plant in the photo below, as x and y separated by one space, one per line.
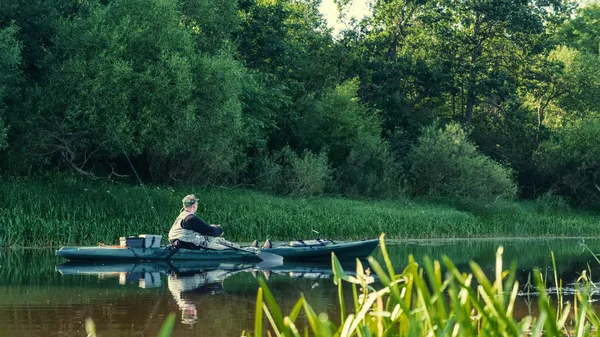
165 330
421 301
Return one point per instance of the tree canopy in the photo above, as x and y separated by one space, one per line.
423 97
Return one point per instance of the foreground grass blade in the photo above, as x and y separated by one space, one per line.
258 317
274 308
167 327
90 327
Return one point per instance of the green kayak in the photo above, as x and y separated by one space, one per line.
300 250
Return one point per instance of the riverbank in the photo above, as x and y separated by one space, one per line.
70 211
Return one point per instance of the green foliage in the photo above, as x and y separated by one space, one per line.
549 203
37 20
72 211
165 330
262 99
285 172
209 148
126 80
311 173
580 95
211 23
429 300
351 135
582 32
10 75
339 122
210 92
572 156
444 162
111 78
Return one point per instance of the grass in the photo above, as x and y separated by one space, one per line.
424 301
71 211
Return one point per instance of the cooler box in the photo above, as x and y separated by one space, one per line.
132 242
151 241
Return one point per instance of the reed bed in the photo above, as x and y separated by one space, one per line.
71 211
424 301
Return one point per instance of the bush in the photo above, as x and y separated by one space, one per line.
370 170
444 162
550 202
266 174
285 172
310 173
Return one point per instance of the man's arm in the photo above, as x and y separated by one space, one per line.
192 222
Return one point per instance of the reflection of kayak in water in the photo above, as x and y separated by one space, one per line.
292 269
82 268
188 281
147 273
191 282
294 251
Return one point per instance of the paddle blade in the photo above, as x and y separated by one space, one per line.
272 258
268 264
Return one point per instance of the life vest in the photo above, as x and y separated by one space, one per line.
179 233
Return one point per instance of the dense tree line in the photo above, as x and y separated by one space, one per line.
424 97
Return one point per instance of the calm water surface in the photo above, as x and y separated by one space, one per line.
41 295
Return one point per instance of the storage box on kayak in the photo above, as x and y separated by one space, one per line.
151 241
132 242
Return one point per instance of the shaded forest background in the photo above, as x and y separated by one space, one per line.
470 98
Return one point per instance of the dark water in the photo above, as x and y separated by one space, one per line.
40 295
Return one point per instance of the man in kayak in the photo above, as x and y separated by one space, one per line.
190 232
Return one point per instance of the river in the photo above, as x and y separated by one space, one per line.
42 295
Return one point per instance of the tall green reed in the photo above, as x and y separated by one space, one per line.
422 301
165 330
71 211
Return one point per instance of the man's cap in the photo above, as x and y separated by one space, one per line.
189 200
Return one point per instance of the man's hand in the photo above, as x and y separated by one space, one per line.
219 226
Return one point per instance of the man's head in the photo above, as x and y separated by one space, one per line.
190 202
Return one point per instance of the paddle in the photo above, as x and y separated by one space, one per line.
262 255
274 258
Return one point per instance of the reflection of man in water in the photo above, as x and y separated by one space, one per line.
188 288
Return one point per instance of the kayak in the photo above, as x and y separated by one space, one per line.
322 249
167 253
300 250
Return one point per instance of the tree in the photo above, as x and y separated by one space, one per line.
402 73
288 42
126 81
36 20
494 39
572 158
351 135
211 23
10 75
583 32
